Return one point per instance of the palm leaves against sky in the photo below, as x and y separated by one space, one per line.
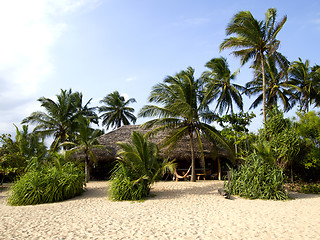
277 89
57 120
116 111
308 81
218 85
255 40
182 107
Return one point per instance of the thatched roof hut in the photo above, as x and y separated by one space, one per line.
180 151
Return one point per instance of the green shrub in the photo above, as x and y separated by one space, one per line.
311 188
138 167
125 187
47 184
257 179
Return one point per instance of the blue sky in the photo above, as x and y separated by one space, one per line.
98 46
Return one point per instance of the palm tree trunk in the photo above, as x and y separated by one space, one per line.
263 87
193 163
235 143
219 168
86 170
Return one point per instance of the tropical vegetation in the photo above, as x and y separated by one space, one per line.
257 40
58 119
183 106
184 103
138 167
257 179
47 183
116 111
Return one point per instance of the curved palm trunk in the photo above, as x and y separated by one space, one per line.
263 87
219 168
193 163
86 170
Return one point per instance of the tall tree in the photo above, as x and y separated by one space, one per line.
181 97
307 79
218 85
58 118
278 88
116 110
255 40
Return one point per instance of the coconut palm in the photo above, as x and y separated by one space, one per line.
277 89
57 120
85 142
218 85
181 97
307 79
255 40
116 111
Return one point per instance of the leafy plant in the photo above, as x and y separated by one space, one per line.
138 167
257 179
14 153
85 142
308 128
235 130
311 188
282 137
46 184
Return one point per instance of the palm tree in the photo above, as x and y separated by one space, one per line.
307 79
138 167
84 110
182 107
218 85
277 89
85 142
57 120
116 111
255 40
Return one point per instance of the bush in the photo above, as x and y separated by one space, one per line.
311 188
47 184
138 167
124 187
257 179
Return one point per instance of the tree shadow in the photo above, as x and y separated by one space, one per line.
297 195
95 190
200 190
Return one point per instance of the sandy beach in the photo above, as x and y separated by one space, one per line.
177 210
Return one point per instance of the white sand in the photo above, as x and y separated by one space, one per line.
179 210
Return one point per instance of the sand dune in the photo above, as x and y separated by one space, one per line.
178 210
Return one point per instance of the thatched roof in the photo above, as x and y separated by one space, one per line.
123 134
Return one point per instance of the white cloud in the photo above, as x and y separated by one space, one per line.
29 29
130 79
